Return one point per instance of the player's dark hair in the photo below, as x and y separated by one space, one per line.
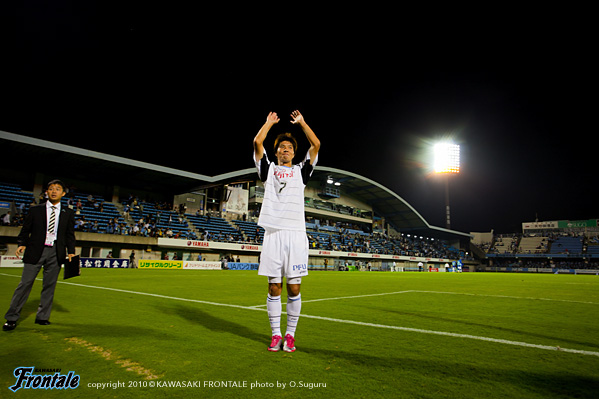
286 137
59 182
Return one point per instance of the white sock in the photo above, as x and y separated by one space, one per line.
294 307
273 306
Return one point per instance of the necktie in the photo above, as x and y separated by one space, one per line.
52 220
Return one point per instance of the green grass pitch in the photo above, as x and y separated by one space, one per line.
361 335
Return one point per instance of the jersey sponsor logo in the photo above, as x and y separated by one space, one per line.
300 267
285 173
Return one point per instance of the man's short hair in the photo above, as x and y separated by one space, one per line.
286 137
59 182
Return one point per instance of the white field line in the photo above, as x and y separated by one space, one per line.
448 334
147 294
440 292
343 297
359 323
506 296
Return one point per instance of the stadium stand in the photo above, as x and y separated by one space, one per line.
149 219
96 215
215 228
13 193
92 214
593 249
250 230
336 238
152 220
505 244
565 245
533 245
565 249
549 244
363 217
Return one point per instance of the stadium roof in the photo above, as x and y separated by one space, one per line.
384 202
147 176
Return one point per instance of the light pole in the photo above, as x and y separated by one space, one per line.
447 162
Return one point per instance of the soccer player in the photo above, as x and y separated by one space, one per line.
285 246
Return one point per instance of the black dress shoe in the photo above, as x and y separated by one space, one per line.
42 322
9 325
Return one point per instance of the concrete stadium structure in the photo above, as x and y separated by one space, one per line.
358 200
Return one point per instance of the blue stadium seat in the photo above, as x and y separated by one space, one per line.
572 245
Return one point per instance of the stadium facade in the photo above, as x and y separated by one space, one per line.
351 219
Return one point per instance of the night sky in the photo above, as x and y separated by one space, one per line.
190 90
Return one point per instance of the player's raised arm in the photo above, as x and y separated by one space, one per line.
314 142
271 119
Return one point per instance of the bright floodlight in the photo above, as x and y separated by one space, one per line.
447 158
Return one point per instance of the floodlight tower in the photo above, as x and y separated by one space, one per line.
447 163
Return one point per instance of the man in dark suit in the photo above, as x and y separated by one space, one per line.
46 238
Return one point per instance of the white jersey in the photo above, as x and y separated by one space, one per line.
283 204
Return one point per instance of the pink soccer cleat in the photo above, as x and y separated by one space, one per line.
276 343
289 343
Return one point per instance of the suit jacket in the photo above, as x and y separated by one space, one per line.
33 234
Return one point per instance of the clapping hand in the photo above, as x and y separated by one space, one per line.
297 117
272 118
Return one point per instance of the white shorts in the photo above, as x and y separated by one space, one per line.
284 254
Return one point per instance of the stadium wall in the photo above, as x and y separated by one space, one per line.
98 245
312 191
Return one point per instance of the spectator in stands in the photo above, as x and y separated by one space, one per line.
78 224
6 219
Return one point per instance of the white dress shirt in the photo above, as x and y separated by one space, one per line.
49 206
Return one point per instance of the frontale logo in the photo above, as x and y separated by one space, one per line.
27 380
